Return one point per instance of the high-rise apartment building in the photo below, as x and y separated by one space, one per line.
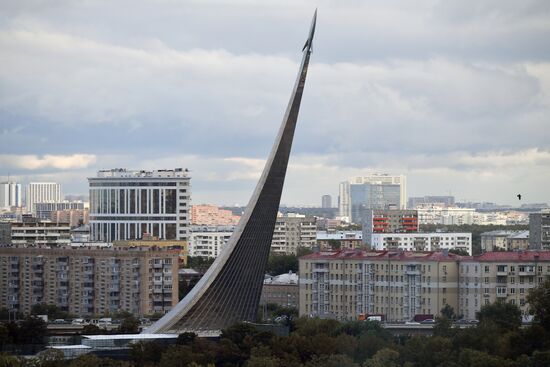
389 221
86 282
42 192
539 230
10 194
376 191
431 200
45 210
212 215
293 232
127 204
326 201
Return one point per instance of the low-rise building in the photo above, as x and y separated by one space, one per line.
339 239
208 241
292 232
398 285
281 290
504 240
86 282
422 241
34 232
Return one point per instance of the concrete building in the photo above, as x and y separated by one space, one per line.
399 285
422 241
436 214
208 241
41 192
5 233
45 210
326 201
504 240
281 290
88 282
505 276
292 232
376 191
155 243
125 205
389 221
34 232
341 239
539 230
75 217
445 201
10 195
212 215
344 208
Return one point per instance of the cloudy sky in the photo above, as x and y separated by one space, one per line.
453 94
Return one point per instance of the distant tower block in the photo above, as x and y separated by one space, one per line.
326 201
230 290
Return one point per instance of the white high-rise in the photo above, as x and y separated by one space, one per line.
125 204
42 192
10 194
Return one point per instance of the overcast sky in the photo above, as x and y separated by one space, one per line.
453 94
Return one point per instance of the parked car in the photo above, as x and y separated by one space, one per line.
428 321
59 321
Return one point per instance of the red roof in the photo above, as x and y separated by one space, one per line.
510 256
382 255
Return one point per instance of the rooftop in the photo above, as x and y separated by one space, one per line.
283 279
383 255
161 173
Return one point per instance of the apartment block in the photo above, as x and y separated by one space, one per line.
292 232
42 192
503 240
389 221
10 195
422 241
45 210
539 230
208 241
88 282
281 290
505 276
399 285
212 215
341 239
34 232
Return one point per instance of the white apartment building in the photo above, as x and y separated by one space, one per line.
292 232
126 204
40 233
431 214
208 241
422 241
10 195
42 192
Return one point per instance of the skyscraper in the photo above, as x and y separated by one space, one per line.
326 201
42 192
10 194
376 191
126 204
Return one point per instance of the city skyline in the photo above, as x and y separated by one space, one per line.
452 95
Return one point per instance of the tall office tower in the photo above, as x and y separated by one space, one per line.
539 230
326 201
343 200
375 191
127 204
10 194
42 192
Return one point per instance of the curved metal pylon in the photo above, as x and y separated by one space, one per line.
230 290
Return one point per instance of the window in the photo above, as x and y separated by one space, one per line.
486 268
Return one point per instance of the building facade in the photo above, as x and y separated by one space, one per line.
33 232
539 230
445 201
389 221
326 201
45 210
88 282
341 239
42 192
212 215
433 214
74 217
127 204
208 241
422 241
398 285
154 243
10 195
293 232
281 290
504 240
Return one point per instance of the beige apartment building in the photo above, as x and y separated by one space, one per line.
506 276
212 215
88 282
398 285
292 232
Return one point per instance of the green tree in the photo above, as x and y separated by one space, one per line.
51 310
384 358
145 353
448 312
51 358
32 330
504 315
334 244
459 251
4 335
7 360
129 325
539 302
442 327
281 264
334 360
